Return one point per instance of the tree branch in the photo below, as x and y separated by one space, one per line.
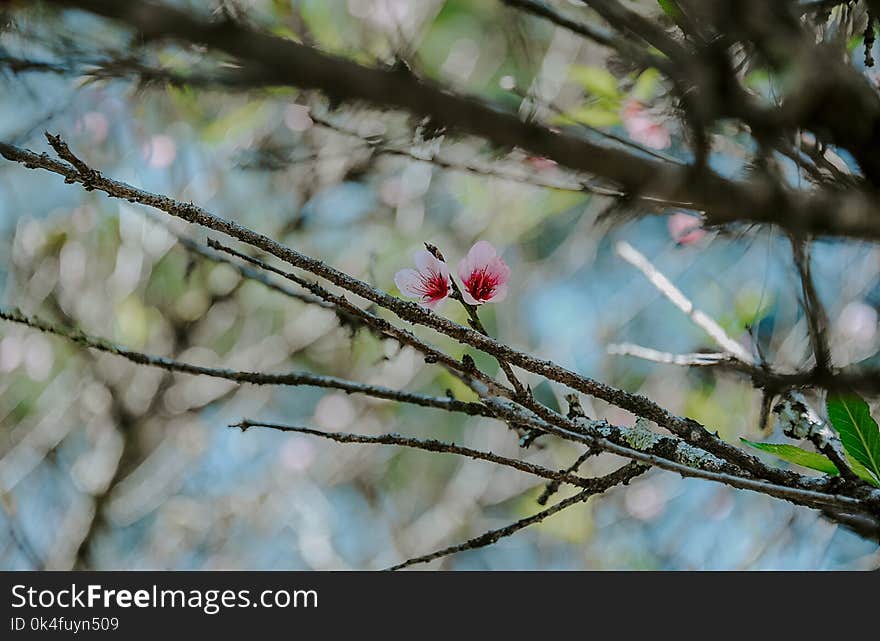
677 298
429 445
275 60
601 484
254 378
817 319
870 504
688 429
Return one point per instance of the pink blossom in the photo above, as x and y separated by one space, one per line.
484 275
429 283
643 127
685 229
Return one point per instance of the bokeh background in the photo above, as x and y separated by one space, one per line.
105 464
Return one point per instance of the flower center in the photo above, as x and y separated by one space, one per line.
481 284
433 286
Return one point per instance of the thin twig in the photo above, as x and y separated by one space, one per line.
253 378
849 379
688 429
698 359
622 45
553 486
601 484
674 295
429 445
817 319
256 275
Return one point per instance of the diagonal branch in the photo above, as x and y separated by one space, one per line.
601 484
432 355
572 431
429 445
253 378
697 359
688 429
675 296
273 60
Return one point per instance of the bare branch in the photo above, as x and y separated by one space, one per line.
275 60
553 486
686 428
602 484
620 44
253 378
817 319
674 295
429 445
698 359
504 408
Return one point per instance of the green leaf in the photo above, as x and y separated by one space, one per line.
851 417
671 9
597 81
854 43
796 455
594 116
861 471
646 85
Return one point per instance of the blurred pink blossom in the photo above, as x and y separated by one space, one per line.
160 151
643 127
484 275
96 125
685 229
540 163
297 118
429 282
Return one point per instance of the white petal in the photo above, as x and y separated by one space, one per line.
470 300
479 256
432 304
426 263
409 282
500 294
500 269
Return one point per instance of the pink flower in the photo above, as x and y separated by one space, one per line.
643 127
429 283
685 229
484 275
